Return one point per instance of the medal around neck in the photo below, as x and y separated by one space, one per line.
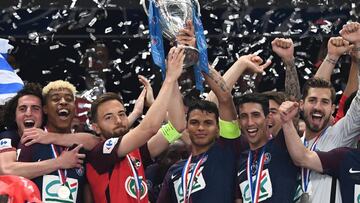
64 192
305 198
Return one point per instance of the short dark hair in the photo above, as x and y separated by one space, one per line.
278 97
102 99
258 98
33 89
316 82
203 105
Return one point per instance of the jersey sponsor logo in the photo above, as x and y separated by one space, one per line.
265 187
109 145
51 185
198 184
351 170
130 187
5 143
357 193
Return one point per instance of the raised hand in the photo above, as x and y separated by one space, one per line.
149 97
288 110
284 48
174 63
252 63
35 135
351 32
337 46
187 36
72 158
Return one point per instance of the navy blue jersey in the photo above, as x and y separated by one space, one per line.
344 164
49 184
215 180
279 179
9 140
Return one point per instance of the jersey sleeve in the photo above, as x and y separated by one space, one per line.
331 161
104 155
9 141
26 153
145 156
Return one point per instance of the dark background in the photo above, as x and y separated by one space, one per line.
44 35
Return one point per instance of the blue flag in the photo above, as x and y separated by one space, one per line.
10 82
157 46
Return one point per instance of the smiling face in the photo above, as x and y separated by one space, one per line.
317 108
28 113
274 118
254 124
60 110
111 120
202 128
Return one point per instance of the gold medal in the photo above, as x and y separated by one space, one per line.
64 192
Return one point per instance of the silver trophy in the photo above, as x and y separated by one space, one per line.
173 17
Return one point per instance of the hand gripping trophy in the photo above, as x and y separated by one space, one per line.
168 17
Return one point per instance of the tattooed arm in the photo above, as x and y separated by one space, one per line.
223 93
249 62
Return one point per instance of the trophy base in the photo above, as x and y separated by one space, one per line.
191 56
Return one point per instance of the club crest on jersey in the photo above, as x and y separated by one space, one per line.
80 171
130 187
136 162
109 145
267 158
265 188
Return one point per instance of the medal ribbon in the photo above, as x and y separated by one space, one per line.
185 186
61 172
136 178
305 173
255 189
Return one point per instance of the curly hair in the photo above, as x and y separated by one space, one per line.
34 89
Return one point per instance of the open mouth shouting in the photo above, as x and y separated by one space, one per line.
63 114
316 117
29 123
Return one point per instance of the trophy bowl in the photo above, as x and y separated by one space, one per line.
173 17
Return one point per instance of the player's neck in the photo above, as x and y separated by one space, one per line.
259 144
309 134
52 128
196 150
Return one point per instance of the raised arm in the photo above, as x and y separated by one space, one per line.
176 117
156 113
284 48
217 84
138 108
300 155
30 170
336 47
249 62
